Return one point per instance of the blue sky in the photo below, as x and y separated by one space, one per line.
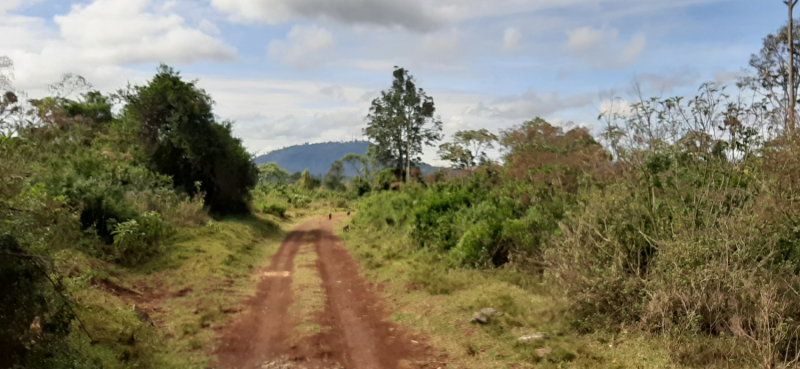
295 71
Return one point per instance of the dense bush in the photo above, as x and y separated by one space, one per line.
274 209
182 139
179 210
138 240
29 298
682 237
74 181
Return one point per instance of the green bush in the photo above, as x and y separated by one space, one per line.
274 209
28 297
138 240
301 202
179 210
359 186
102 208
435 216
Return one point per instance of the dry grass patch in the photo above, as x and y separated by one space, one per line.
438 302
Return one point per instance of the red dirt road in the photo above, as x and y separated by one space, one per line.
360 335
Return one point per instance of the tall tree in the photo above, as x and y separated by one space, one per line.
362 163
333 180
272 173
468 148
790 41
401 121
772 66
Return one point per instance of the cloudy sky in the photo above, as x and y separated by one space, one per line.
295 71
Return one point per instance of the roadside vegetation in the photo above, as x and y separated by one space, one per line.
126 235
670 240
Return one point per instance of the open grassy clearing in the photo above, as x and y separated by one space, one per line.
439 303
188 292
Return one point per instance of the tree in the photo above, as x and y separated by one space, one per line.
772 66
306 181
539 153
790 41
182 139
401 121
362 163
93 106
333 180
272 173
468 148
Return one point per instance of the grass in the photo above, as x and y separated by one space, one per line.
195 286
308 294
439 302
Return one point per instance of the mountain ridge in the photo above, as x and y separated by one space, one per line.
318 157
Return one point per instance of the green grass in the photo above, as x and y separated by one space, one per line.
307 292
206 272
439 302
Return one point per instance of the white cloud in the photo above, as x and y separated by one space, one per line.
334 92
124 32
619 107
6 5
634 48
530 104
305 47
511 39
587 38
97 39
666 83
207 27
374 65
441 47
603 48
724 76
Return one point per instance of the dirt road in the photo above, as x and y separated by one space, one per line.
354 328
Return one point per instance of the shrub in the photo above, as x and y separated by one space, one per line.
359 186
138 240
178 210
274 209
301 202
29 297
434 223
102 207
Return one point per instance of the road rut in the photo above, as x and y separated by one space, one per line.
357 331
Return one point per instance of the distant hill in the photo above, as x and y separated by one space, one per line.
317 158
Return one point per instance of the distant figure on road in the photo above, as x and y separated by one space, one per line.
348 213
330 216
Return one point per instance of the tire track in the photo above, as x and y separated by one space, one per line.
360 335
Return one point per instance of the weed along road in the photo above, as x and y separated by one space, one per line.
312 309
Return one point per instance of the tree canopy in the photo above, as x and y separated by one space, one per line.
771 65
401 121
272 173
182 139
468 148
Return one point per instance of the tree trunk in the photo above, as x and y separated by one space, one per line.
408 159
792 99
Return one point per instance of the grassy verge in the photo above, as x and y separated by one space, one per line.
439 302
189 291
